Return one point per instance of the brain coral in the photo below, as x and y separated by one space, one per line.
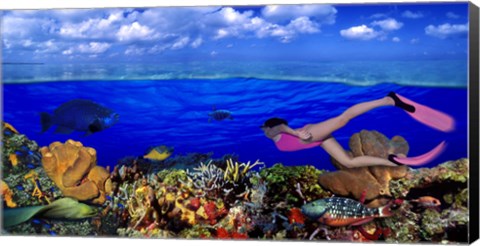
73 169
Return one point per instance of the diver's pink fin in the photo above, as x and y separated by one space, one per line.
421 159
424 114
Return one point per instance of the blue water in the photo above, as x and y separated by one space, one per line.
175 113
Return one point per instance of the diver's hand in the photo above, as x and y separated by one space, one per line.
304 135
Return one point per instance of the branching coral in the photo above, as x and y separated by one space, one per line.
235 172
207 177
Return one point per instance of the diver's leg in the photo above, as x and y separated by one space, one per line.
323 129
335 150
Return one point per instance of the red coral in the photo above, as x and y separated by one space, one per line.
236 235
194 204
295 216
211 210
222 233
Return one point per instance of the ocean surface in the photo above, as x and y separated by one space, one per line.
174 112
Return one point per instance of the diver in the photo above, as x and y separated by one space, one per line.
319 134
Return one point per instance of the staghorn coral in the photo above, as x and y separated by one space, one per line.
73 169
235 172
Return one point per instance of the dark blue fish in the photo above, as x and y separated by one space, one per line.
52 233
120 205
220 114
47 226
80 115
109 198
18 152
19 187
31 166
8 133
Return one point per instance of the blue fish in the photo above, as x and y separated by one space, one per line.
109 198
52 233
36 221
220 114
8 133
120 205
47 226
18 152
30 166
19 187
79 115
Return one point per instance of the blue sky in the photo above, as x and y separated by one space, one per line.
318 32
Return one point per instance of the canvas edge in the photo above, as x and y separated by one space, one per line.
474 121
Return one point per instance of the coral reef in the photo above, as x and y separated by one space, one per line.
195 196
73 169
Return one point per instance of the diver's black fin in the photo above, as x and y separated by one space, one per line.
399 103
46 121
64 130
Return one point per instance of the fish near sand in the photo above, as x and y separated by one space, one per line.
220 114
79 115
340 211
158 153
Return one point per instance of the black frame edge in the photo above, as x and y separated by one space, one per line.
474 122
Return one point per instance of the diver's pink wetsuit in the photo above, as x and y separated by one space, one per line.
289 142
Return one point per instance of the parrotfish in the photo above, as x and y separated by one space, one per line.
158 153
340 211
220 114
80 115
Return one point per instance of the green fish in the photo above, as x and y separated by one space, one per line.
64 208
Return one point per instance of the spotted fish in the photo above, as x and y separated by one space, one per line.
220 114
340 211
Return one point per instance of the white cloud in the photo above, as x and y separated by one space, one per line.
378 16
93 28
359 32
93 47
67 52
180 43
135 31
214 53
446 30
388 24
396 39
414 40
324 14
197 42
452 15
412 15
133 50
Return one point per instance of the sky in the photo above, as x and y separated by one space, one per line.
314 32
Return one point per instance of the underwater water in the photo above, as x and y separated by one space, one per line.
174 112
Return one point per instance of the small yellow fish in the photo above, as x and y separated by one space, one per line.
159 153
